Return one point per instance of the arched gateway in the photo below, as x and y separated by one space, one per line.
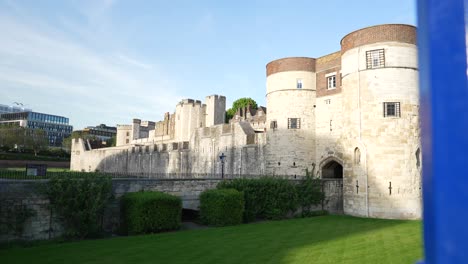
331 170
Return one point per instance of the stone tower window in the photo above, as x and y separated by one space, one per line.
299 83
418 158
357 156
391 109
273 124
294 123
375 59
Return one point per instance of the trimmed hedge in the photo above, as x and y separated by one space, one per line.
79 200
265 198
221 207
150 212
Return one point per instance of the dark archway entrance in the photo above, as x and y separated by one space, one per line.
332 170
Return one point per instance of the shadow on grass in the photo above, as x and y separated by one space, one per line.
326 239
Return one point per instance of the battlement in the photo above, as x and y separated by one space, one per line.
124 127
216 96
191 102
148 123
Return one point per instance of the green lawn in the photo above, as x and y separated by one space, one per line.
325 239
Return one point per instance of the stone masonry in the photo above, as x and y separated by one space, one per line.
352 114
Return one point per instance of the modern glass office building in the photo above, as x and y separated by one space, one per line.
12 109
56 127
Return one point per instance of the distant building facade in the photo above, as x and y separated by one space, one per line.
56 127
102 132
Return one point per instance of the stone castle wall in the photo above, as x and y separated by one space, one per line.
240 144
344 124
45 224
387 145
290 151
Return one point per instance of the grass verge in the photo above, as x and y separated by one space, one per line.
324 239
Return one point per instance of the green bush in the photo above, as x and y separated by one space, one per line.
79 201
221 207
150 212
310 194
265 198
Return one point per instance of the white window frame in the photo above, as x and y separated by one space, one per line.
331 82
299 83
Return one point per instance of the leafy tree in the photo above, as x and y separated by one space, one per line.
111 142
36 139
240 103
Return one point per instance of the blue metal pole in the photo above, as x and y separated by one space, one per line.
444 117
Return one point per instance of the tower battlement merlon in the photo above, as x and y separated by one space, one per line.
216 96
124 126
191 102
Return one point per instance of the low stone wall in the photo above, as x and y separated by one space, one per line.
45 224
15 194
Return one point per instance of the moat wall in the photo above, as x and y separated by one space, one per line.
45 224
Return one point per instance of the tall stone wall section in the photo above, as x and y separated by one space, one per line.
190 115
329 112
124 135
388 146
243 148
215 110
290 151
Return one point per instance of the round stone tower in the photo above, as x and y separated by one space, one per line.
290 97
381 138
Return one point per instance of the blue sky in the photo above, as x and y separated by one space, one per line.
108 61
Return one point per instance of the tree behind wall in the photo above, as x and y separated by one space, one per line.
240 103
36 139
21 139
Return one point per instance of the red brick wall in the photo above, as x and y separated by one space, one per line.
324 65
381 33
290 64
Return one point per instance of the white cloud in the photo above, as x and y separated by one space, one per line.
41 62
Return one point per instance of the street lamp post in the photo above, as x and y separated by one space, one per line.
222 157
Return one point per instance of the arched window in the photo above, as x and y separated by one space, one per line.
357 156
